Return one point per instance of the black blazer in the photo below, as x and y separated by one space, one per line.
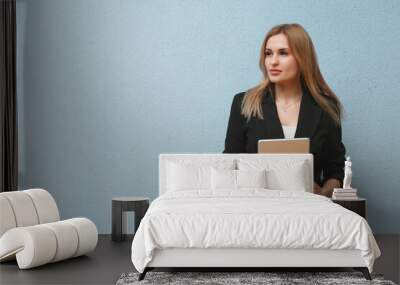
314 123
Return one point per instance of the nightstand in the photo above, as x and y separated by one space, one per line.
358 205
120 206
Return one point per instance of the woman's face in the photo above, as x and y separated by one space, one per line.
280 63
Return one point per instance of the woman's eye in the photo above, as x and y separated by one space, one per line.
268 53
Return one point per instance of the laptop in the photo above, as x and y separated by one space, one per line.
296 145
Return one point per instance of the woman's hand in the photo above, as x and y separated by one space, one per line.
327 188
317 189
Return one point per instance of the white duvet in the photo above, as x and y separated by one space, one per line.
251 218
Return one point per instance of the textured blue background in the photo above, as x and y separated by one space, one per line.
105 86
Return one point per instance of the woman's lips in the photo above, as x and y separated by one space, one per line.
274 71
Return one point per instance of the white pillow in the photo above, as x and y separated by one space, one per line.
251 178
292 179
282 174
236 179
223 179
188 175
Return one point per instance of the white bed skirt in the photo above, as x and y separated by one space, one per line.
235 257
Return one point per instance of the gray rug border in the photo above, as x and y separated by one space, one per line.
274 277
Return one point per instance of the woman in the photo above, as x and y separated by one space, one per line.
292 100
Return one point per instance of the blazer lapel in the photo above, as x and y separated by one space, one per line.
309 116
272 123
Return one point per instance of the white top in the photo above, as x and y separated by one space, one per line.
289 131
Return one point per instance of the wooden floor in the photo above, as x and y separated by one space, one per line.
102 266
110 260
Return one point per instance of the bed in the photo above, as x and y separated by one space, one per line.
247 210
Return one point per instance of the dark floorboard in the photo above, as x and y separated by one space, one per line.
102 266
110 260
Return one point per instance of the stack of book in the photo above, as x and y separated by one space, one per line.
344 194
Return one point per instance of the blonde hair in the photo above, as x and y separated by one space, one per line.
303 50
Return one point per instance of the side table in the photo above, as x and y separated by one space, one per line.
357 205
120 206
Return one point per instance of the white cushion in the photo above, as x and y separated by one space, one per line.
251 178
45 205
87 233
189 175
7 218
223 179
32 246
26 208
237 179
291 175
67 239
23 208
40 244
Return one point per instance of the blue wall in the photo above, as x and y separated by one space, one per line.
105 86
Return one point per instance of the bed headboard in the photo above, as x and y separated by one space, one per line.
164 158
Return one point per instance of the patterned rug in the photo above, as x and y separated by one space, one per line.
270 278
